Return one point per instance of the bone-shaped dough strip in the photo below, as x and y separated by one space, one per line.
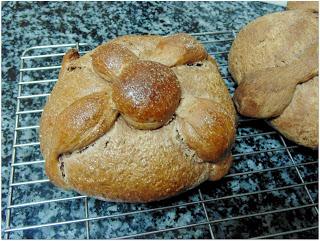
266 93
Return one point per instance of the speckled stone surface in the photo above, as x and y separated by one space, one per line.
27 24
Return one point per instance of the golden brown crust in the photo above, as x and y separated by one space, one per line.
299 121
269 59
83 122
305 5
203 80
210 91
109 60
207 128
272 40
68 58
178 49
74 73
107 158
220 169
147 94
150 166
266 93
140 45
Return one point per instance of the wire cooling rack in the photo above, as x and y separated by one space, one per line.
271 190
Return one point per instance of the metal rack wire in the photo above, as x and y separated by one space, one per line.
85 217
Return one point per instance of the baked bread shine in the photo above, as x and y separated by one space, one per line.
138 119
273 59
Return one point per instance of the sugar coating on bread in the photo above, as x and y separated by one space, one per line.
130 143
110 59
203 125
147 93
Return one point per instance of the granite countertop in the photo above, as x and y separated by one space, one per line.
26 24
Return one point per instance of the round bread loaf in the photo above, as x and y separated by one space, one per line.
138 119
273 58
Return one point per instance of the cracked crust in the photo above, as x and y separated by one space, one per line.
116 161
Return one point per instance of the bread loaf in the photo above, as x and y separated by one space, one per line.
273 59
138 119
305 5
